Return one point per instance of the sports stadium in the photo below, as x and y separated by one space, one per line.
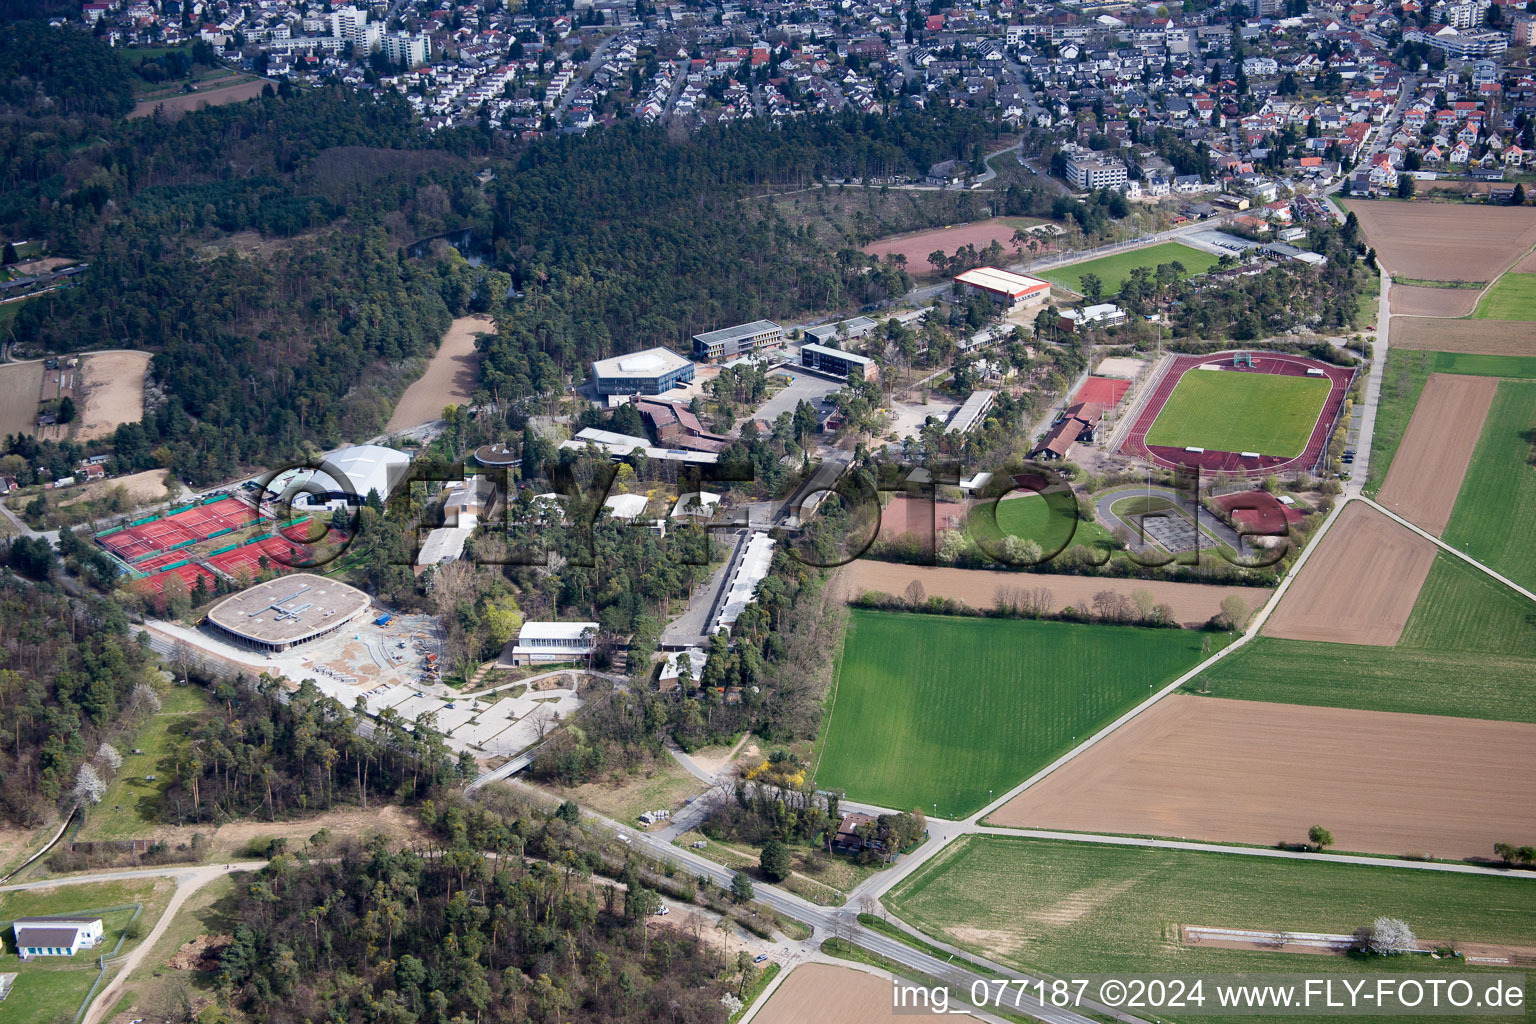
1239 412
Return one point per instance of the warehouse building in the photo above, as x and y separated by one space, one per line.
742 340
1006 289
836 362
651 372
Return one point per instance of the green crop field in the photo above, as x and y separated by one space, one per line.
131 806
1067 909
1469 651
934 709
1048 520
1497 502
1114 270
1512 297
1241 412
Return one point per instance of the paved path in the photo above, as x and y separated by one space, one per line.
1363 452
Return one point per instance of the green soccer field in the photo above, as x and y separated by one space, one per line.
1114 270
1222 411
936 710
1465 626
1048 520
1512 297
1068 909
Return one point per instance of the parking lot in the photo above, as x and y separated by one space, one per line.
803 386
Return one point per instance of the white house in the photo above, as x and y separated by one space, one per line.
550 642
54 936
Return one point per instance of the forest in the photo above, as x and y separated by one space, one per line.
506 911
72 678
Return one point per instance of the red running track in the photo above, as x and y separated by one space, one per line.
1135 442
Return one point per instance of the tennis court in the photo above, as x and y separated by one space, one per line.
1107 391
136 543
188 574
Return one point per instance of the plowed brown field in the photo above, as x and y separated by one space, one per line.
1490 337
1359 586
1432 459
1192 603
1244 771
1411 300
826 994
450 378
1446 241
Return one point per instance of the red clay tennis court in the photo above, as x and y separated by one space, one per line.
1107 391
200 522
285 551
188 574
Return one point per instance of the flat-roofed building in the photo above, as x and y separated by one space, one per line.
836 361
651 372
1003 287
970 415
1096 172
543 643
288 611
742 340
1105 314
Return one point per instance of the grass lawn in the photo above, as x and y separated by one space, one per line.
1469 651
131 807
1512 297
625 799
1497 502
52 989
1241 412
1070 909
938 710
1048 520
1115 269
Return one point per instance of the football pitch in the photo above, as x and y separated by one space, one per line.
933 711
1114 270
1225 411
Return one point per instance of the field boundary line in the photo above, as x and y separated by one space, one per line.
1511 584
1259 618
1002 832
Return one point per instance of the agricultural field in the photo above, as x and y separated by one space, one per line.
1241 771
1403 382
933 711
981 234
1273 414
1497 501
20 384
1512 297
1445 241
1468 651
1073 908
1485 338
1438 444
1114 270
131 807
114 392
830 994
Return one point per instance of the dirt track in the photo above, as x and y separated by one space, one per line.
1193 603
1490 337
827 994
916 247
1446 241
1410 300
450 378
175 106
114 392
1251 772
1436 449
1359 586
